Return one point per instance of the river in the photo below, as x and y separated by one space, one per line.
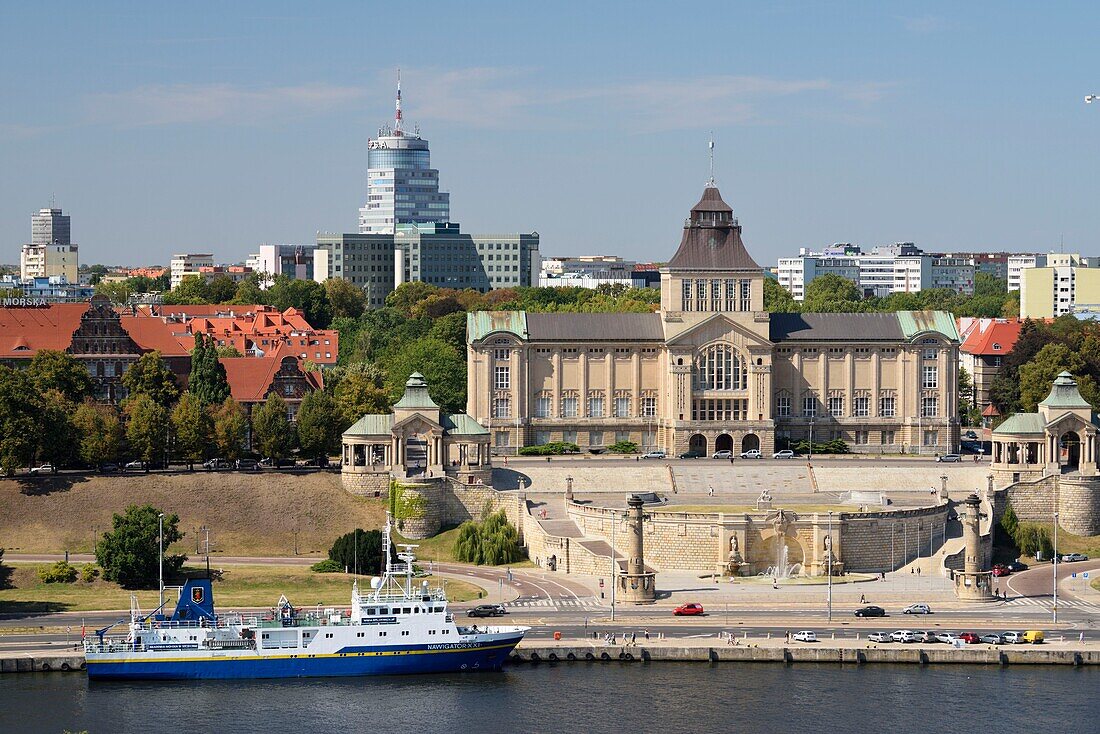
578 699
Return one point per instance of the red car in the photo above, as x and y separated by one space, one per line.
970 638
1001 570
688 610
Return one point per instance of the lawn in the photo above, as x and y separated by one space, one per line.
240 586
741 509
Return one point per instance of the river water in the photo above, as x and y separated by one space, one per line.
577 699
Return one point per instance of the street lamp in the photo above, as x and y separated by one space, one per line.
829 560
812 437
614 564
160 573
1055 607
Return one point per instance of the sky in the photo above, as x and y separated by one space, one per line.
214 127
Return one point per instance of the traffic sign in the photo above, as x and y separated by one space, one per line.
1085 574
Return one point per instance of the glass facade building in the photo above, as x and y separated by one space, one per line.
402 187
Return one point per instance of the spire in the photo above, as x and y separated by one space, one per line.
710 181
397 113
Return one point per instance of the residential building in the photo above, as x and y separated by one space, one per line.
50 252
51 227
292 261
55 289
711 370
985 343
589 271
402 187
1066 284
188 264
1017 264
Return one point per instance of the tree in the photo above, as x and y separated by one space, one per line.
492 542
146 426
56 436
221 289
118 291
230 429
967 410
308 296
405 296
193 427
248 291
1009 522
99 431
130 552
208 381
359 551
831 293
18 419
442 365
360 392
272 433
192 291
778 299
319 425
346 298
150 376
1038 375
53 370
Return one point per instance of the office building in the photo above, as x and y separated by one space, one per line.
365 260
187 264
50 227
50 253
442 255
292 261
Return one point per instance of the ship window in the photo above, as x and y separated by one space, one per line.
408 611
370 611
328 634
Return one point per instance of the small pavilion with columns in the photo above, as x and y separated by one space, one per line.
1060 438
417 440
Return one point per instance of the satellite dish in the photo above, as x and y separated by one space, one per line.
375 582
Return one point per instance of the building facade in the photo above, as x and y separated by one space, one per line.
291 261
186 264
713 371
442 255
364 260
985 344
1064 286
50 253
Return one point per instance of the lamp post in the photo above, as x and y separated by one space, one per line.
1055 607
160 572
943 483
614 565
812 437
829 560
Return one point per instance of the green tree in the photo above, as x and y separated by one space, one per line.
360 392
778 299
967 411
193 427
272 433
56 436
146 427
492 542
52 370
346 298
831 293
208 381
405 296
1037 375
359 551
1009 522
248 291
450 329
230 429
221 289
192 291
319 425
308 296
442 365
18 419
118 291
99 431
150 376
130 552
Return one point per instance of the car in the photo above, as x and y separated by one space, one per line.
784 454
483 610
693 454
971 435
991 639
971 447
917 609
655 455
247 464
46 468
949 458
1033 637
500 609
688 610
1074 557
1012 638
879 637
948 637
870 611
752 454
1016 566
925 636
216 464
108 467
135 466
804 636
1000 569
970 638
903 636
722 455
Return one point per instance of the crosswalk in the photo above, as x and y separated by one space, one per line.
584 602
1048 602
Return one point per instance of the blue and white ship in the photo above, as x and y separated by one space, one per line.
400 626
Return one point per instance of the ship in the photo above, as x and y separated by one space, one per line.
401 625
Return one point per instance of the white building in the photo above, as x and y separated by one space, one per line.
899 268
293 261
1018 263
187 264
50 253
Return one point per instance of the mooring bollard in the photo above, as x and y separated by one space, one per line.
769 635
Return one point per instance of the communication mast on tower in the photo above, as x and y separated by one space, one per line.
397 116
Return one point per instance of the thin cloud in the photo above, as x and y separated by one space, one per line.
177 104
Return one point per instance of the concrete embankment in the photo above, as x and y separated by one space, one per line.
42 663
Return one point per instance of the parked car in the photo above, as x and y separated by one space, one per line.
804 636
693 454
722 455
688 610
971 435
917 609
1074 557
948 637
870 611
216 464
1016 566
1000 569
970 638
1033 637
1012 638
655 455
108 467
925 636
135 466
991 639
247 464
752 454
483 610
903 636
949 458
276 463
784 454
879 637
46 468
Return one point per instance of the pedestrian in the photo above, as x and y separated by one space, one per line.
646 633
710 491
918 570
729 638
775 583
788 633
911 571
862 599
731 458
634 638
883 576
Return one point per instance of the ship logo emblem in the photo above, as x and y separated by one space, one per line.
198 595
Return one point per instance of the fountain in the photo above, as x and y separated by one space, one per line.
782 569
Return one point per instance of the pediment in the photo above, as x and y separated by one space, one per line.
1066 421
722 327
417 423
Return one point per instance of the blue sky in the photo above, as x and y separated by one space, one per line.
216 126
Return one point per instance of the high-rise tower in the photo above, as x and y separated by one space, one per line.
402 187
50 253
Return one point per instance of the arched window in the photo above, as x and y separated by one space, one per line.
718 367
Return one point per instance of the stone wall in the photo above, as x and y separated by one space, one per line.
572 557
884 541
1079 504
1033 500
366 484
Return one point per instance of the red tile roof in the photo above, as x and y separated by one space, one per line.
991 336
250 377
24 331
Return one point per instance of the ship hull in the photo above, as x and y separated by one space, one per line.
347 662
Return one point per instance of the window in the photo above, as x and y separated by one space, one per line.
929 377
719 368
929 354
836 406
746 290
569 405
543 406
502 378
863 437
595 438
929 406
502 407
569 436
887 438
731 295
622 436
685 301
649 407
783 406
931 438
719 410
861 406
809 406
886 407
502 439
595 406
622 407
